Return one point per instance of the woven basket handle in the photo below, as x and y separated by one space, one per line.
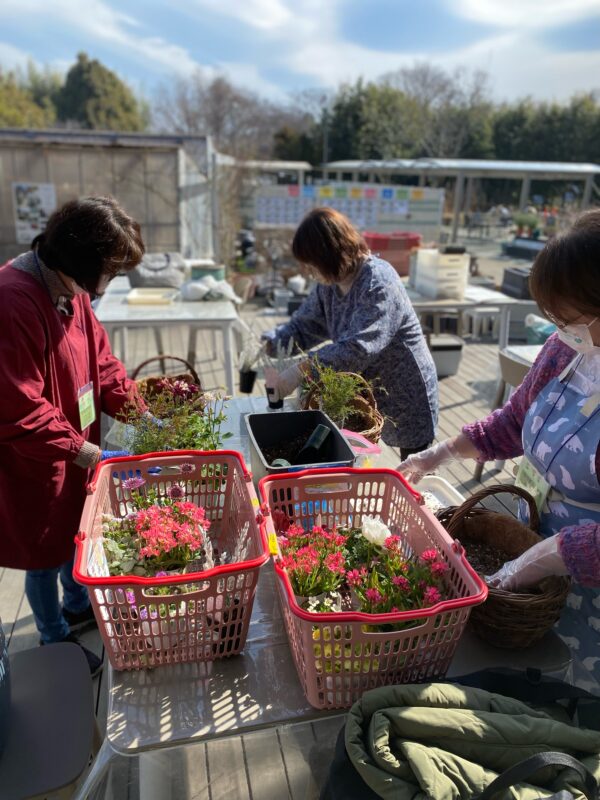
141 366
462 511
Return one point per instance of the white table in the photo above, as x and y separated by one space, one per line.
115 313
475 296
525 353
189 703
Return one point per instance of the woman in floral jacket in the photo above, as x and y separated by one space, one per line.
360 304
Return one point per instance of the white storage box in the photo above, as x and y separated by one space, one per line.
441 274
446 350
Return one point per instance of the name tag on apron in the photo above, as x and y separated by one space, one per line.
87 407
532 480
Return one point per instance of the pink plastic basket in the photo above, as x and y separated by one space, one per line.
336 658
140 629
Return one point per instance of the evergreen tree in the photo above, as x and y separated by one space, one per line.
94 97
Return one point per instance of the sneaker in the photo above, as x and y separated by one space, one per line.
95 664
77 622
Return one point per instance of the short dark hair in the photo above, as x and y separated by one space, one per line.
327 240
566 273
90 237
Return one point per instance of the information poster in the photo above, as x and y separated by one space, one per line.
33 204
375 208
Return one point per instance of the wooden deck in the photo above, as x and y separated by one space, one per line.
291 761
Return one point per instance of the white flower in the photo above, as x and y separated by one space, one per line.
374 530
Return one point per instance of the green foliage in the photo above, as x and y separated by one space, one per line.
18 105
524 220
186 425
96 98
336 391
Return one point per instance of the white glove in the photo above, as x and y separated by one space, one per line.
538 562
285 382
416 466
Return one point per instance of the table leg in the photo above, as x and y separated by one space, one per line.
156 775
504 327
228 348
97 772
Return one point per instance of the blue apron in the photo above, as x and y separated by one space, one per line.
561 442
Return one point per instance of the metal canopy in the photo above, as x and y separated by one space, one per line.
471 168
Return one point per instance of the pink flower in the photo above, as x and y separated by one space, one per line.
295 531
431 596
133 483
355 577
335 562
429 555
439 568
401 582
175 492
186 468
393 543
374 596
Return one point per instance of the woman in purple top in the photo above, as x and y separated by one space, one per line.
361 306
553 420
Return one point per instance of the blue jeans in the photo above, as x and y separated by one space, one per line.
41 588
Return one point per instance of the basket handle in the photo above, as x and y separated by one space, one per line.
462 511
141 366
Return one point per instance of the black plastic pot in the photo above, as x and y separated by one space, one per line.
247 379
265 430
274 404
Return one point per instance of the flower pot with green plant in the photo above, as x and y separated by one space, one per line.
346 397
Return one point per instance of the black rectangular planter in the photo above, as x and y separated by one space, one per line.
266 430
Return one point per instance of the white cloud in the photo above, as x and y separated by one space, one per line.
304 37
11 56
545 74
248 76
516 14
268 15
98 21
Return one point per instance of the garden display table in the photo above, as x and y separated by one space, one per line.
115 313
190 703
475 297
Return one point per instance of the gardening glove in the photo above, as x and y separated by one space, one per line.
113 454
284 382
540 561
416 466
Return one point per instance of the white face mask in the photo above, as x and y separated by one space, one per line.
578 337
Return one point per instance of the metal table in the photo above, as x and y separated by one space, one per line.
115 313
189 703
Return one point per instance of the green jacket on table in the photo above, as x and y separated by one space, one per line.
440 741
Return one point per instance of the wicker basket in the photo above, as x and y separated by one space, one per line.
507 619
149 385
365 409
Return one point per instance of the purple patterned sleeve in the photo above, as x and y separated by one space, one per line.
579 547
499 434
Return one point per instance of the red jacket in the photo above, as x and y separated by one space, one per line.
45 358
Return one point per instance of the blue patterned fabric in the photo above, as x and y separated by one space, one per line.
375 332
561 442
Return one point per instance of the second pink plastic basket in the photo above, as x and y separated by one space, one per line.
337 656
141 628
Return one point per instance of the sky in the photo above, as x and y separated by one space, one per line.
548 49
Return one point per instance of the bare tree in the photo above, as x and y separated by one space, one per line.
446 103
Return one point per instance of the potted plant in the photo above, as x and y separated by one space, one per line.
365 568
183 417
249 358
346 397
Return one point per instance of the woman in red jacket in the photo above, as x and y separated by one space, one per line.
57 374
